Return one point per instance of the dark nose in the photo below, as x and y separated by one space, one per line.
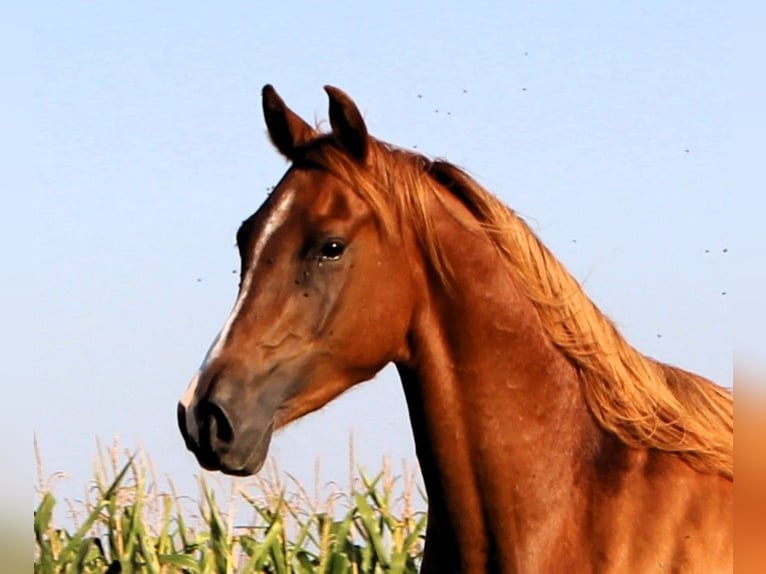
181 414
216 432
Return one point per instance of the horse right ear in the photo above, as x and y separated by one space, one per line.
288 132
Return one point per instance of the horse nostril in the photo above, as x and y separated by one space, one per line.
218 425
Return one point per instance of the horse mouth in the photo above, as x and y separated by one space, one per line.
241 458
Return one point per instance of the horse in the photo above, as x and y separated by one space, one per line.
547 443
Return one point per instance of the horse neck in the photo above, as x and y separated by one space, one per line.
498 416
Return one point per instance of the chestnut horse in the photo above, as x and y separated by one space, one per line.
547 443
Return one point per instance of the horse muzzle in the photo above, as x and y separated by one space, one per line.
223 440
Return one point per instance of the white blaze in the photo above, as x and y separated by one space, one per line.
276 218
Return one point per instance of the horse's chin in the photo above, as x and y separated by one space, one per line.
247 470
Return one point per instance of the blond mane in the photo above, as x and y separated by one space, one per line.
643 402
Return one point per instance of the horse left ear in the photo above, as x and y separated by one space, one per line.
348 127
288 132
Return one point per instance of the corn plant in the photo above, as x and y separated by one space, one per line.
128 525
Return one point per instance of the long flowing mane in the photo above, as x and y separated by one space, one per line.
641 401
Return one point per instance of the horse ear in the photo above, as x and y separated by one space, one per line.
287 130
347 124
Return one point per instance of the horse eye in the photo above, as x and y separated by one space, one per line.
332 250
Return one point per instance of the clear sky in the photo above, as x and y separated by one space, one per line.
136 146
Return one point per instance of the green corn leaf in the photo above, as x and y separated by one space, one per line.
343 527
88 553
248 544
41 525
42 516
218 536
146 549
164 541
265 549
181 560
298 543
69 551
372 530
338 564
306 562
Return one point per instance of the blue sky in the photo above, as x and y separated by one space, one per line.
620 132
